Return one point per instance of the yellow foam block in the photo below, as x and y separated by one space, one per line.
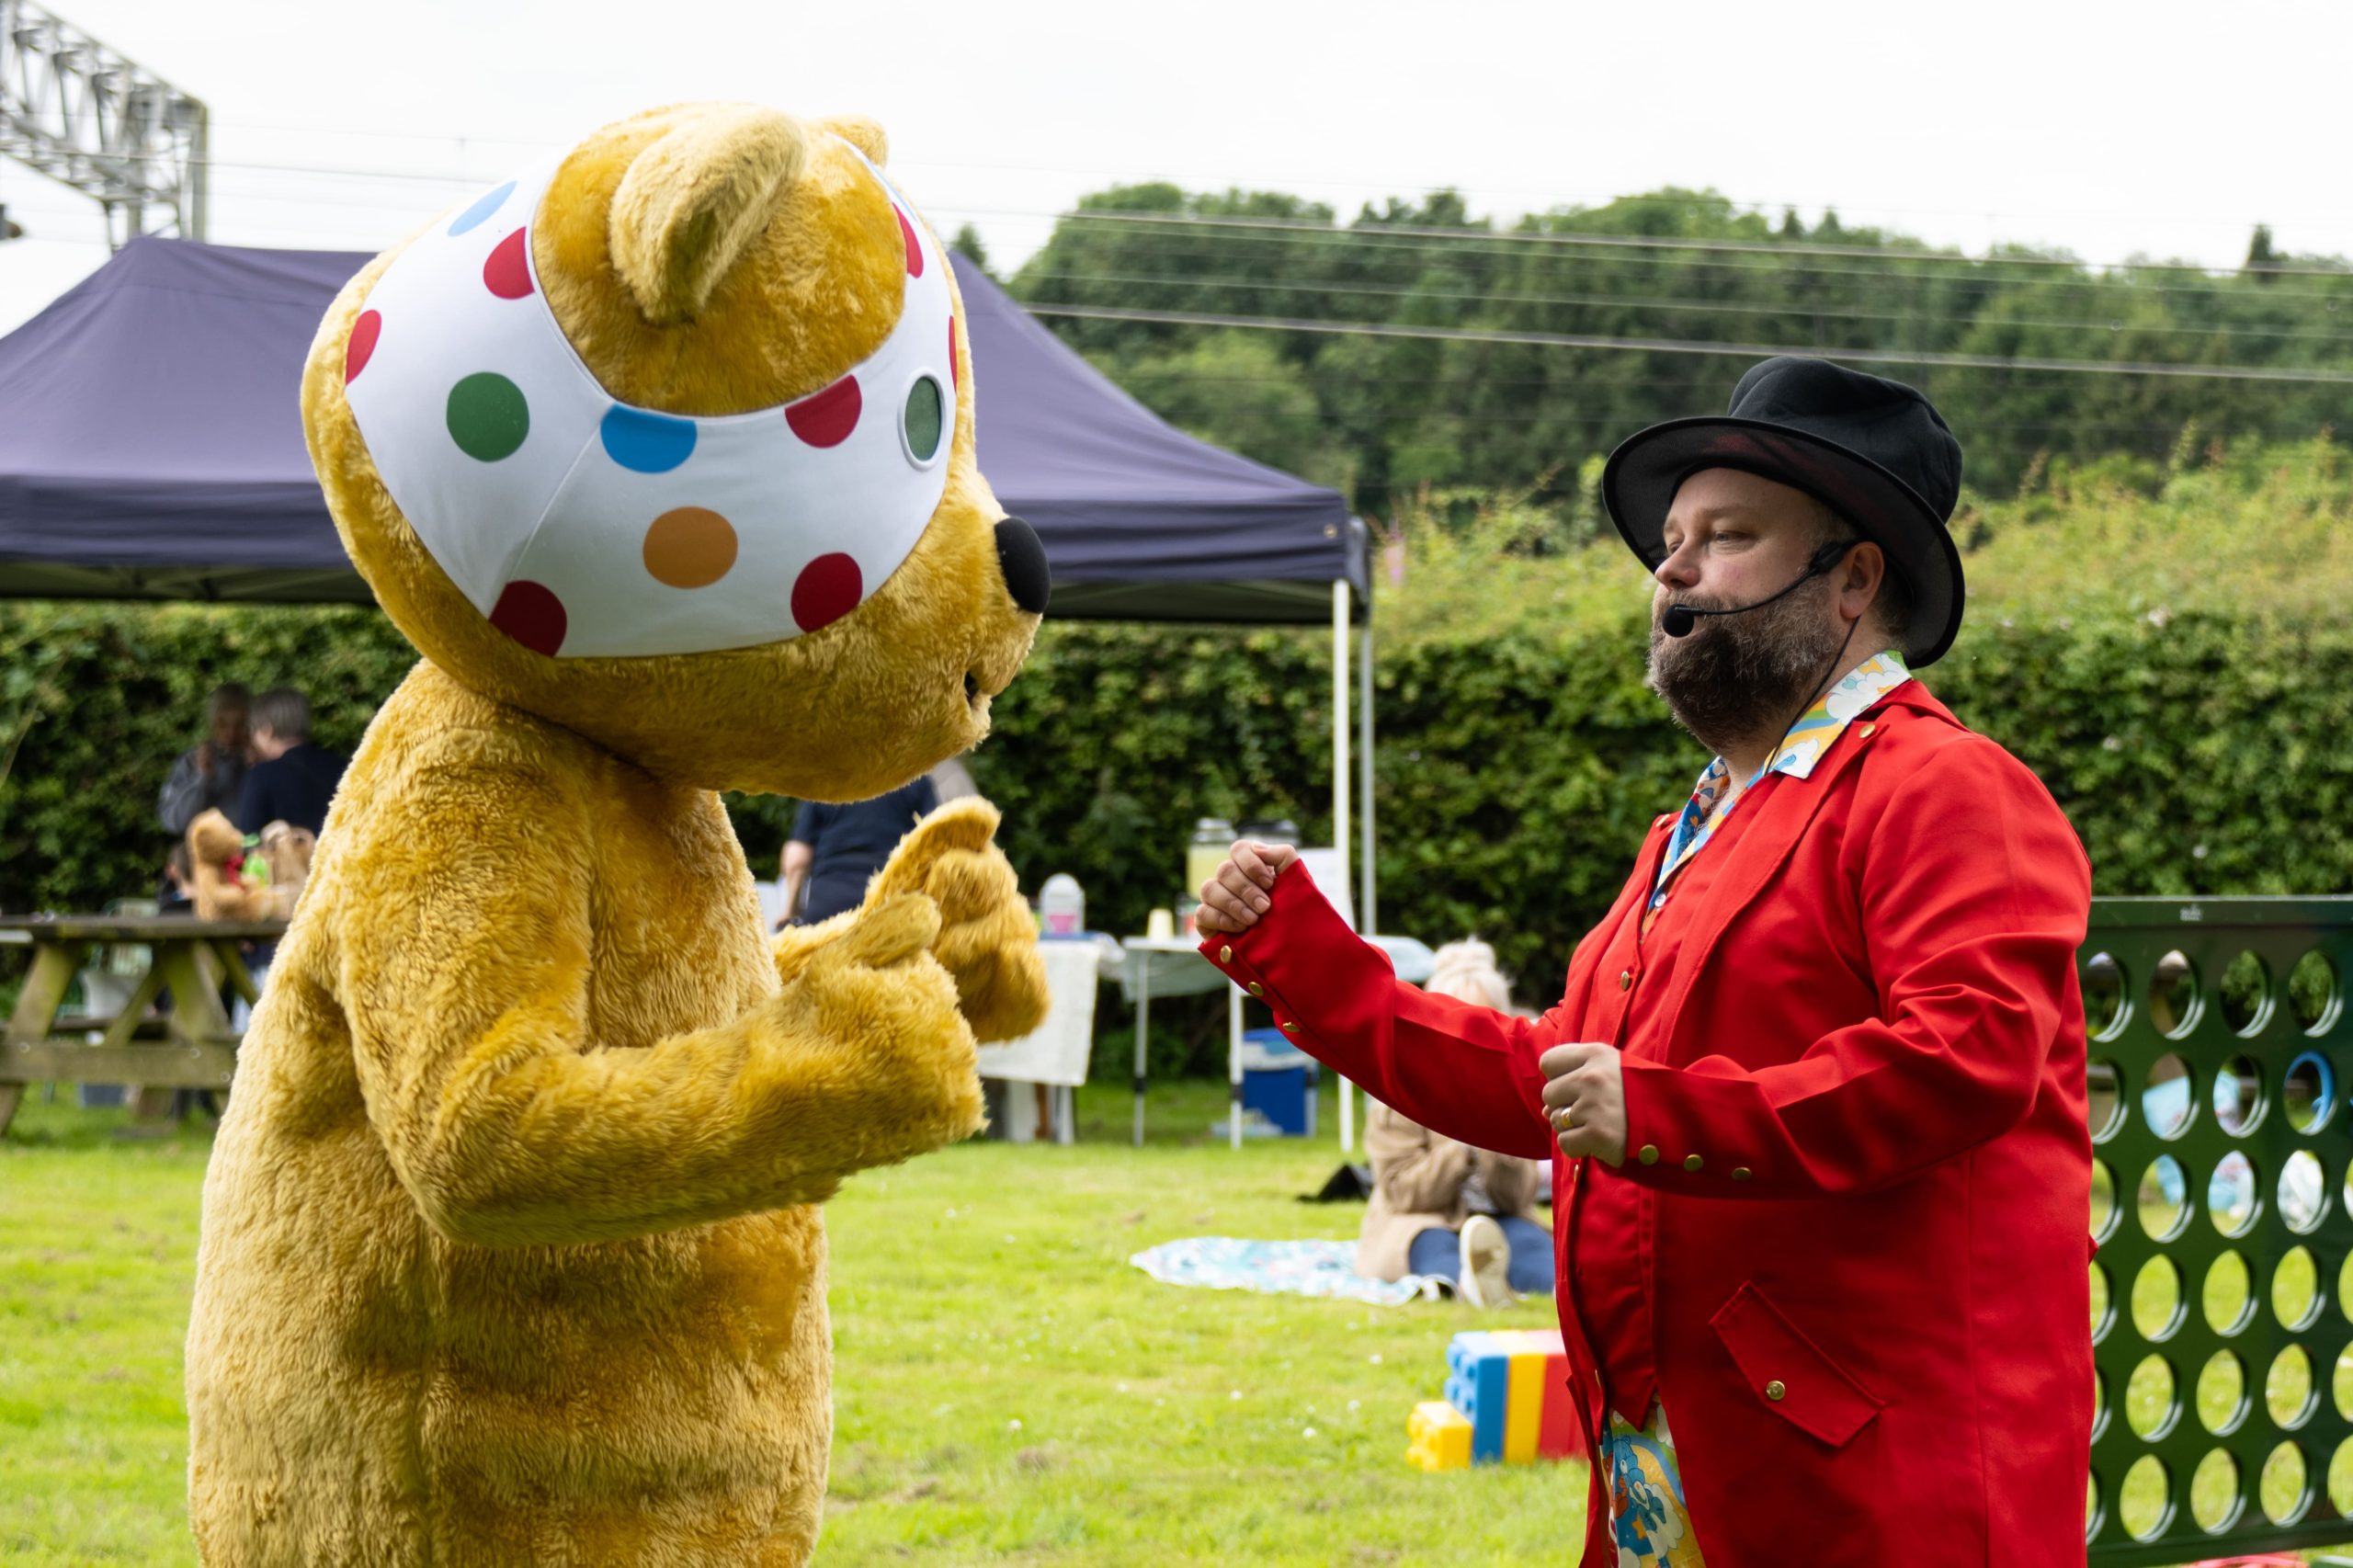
1438 1437
1525 1413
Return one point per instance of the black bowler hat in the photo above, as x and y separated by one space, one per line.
1872 450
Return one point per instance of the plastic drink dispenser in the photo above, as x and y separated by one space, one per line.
1212 837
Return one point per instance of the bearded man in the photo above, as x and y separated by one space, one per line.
1813 1095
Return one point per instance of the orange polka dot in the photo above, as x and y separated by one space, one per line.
690 547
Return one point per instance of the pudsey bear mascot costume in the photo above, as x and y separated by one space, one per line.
662 455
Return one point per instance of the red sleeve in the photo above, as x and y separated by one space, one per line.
1461 1070
1975 896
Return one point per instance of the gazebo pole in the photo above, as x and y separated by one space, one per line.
1364 770
1364 815
1340 717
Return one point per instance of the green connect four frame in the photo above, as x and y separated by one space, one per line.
2222 1115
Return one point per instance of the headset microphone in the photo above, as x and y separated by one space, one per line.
1681 620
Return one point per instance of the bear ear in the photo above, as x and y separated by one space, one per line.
693 199
861 133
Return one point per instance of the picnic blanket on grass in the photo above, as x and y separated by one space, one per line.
1326 1269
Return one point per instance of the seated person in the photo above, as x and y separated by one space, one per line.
1445 1210
180 878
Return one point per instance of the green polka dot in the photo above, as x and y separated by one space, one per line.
925 409
488 418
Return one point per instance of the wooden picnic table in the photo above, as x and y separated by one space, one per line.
188 1044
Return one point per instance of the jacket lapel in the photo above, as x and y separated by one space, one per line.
1758 852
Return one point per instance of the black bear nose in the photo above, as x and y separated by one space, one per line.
1023 558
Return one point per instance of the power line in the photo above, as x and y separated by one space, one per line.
1371 239
1470 417
1645 242
1638 303
1375 227
1385 236
1688 345
1133 379
1262 181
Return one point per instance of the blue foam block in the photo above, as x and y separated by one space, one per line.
1478 1383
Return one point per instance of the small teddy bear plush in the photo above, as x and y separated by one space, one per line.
661 454
286 850
224 882
217 883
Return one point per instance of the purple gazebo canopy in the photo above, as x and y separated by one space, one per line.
150 447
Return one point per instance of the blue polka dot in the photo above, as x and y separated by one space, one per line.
646 443
483 208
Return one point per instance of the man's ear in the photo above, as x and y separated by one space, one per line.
1865 568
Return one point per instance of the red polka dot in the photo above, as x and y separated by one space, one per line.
364 333
826 418
952 379
531 615
827 589
508 270
915 251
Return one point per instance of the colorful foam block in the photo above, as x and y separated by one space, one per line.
1509 1389
1437 1437
1478 1383
1526 1393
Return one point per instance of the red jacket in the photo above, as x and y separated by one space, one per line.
1872 1052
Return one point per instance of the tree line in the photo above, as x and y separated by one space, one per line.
1417 346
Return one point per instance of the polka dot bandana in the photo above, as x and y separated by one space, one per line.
585 527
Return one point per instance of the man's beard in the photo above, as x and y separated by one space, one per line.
1743 678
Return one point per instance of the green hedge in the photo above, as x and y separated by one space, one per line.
2208 755
100 699
2200 745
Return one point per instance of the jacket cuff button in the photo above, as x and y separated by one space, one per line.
1225 954
1255 989
1741 1173
1692 1161
1649 1154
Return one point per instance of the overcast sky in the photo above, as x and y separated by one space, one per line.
2111 129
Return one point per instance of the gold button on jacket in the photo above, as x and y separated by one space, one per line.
1692 1161
1775 1389
1649 1156
1225 954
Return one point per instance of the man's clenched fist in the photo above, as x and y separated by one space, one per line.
1242 891
1584 1097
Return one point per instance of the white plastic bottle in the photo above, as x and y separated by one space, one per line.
1062 905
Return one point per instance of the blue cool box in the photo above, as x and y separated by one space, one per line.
1278 1082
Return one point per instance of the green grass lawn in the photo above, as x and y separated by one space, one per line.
1008 1389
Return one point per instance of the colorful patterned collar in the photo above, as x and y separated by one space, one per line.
1827 719
1712 799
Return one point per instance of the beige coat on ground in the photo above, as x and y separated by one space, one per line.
1418 1178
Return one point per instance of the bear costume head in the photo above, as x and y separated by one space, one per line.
709 372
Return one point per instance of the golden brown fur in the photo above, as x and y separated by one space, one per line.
511 1252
